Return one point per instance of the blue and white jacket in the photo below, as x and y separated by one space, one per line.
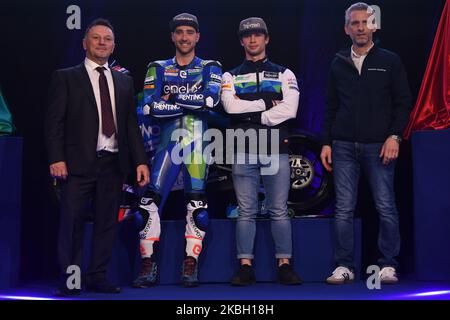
249 92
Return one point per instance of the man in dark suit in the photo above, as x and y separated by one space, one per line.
92 139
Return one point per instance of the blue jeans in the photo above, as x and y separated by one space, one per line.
246 180
348 158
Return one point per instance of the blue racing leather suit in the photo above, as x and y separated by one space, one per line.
178 97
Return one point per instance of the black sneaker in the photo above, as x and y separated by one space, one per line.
287 275
244 276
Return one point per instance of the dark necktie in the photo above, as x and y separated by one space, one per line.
106 107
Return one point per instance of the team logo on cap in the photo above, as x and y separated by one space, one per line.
250 25
185 18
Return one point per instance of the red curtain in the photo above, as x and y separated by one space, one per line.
432 110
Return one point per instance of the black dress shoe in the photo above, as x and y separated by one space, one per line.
63 291
102 287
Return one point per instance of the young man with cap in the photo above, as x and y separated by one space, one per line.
178 92
261 96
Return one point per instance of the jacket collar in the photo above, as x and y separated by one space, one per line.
256 64
346 53
188 66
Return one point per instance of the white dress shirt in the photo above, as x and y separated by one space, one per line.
103 142
358 60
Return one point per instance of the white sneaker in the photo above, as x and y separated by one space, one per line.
341 275
388 275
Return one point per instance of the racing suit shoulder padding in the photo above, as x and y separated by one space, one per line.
208 63
159 63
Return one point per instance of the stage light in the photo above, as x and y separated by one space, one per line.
4 297
431 293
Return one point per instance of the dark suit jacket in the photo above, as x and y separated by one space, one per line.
72 121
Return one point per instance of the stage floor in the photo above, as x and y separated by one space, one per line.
406 290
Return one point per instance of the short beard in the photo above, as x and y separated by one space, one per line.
185 52
360 44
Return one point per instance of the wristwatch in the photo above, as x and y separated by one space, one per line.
396 138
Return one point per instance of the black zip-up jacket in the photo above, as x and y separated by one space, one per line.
369 107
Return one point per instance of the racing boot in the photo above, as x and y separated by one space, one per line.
148 274
189 272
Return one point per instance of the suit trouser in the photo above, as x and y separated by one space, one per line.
101 190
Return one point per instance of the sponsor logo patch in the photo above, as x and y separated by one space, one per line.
215 77
190 97
194 71
174 88
171 72
270 75
196 250
292 83
164 107
244 77
183 74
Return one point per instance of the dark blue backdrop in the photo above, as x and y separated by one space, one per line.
304 37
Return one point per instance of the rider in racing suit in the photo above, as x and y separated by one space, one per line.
177 92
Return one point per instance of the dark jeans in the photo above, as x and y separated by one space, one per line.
348 158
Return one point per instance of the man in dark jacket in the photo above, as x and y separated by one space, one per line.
367 107
92 140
